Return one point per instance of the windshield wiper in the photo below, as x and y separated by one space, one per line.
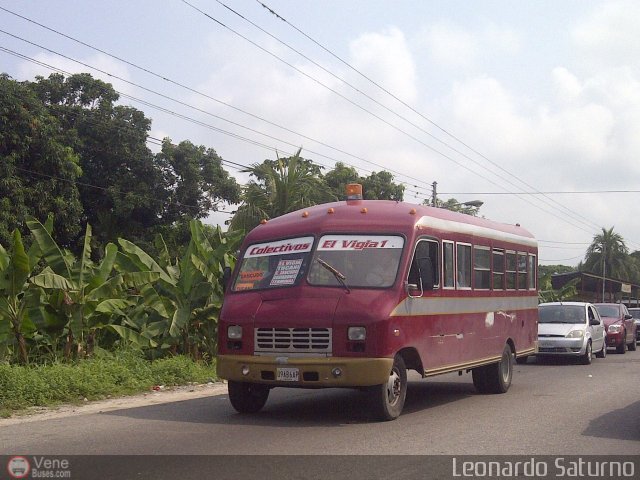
339 276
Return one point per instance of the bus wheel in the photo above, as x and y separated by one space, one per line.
247 397
499 374
388 398
479 375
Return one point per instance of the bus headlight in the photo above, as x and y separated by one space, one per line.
357 334
234 332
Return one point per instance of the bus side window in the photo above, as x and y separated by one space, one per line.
425 256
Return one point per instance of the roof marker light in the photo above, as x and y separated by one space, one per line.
331 210
364 210
412 211
305 214
354 191
263 221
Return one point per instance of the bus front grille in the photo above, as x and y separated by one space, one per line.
293 340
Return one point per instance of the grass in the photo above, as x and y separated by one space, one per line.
120 373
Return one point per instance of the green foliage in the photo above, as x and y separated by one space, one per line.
122 372
377 186
199 181
16 299
455 206
278 187
380 186
608 255
38 168
546 293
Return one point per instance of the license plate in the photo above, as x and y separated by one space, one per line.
287 374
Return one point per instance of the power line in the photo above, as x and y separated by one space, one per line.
165 78
559 192
589 222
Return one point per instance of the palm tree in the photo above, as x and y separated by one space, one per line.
608 255
280 186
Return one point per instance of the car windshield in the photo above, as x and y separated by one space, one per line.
273 264
363 260
561 314
608 310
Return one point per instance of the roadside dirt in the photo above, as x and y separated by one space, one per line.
153 397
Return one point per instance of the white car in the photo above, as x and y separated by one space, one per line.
571 329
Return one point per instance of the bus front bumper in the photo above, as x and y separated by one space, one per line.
306 372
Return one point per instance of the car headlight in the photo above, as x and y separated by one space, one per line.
234 332
575 334
614 328
357 333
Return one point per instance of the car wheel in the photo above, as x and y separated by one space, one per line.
588 355
388 398
603 353
247 397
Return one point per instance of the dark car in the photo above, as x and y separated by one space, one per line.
635 313
621 329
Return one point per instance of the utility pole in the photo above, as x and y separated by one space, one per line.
434 197
604 266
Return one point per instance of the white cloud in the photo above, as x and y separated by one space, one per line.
453 46
566 85
385 57
609 34
450 45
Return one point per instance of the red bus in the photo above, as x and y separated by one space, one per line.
354 293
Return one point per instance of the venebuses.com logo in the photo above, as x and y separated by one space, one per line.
18 467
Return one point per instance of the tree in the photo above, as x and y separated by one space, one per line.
278 187
38 170
380 186
609 251
125 189
455 206
338 178
196 180
122 189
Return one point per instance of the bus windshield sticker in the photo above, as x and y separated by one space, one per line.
286 272
359 242
248 280
280 247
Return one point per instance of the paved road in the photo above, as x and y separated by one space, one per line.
552 408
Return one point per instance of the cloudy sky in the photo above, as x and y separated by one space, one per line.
532 107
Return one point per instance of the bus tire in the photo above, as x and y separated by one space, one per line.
247 397
479 375
388 398
499 375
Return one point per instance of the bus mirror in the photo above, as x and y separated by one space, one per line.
226 276
425 267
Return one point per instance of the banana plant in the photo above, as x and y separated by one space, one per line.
16 292
88 294
187 296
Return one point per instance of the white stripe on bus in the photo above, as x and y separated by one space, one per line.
456 305
476 230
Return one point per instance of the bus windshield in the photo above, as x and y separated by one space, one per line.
363 260
280 263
